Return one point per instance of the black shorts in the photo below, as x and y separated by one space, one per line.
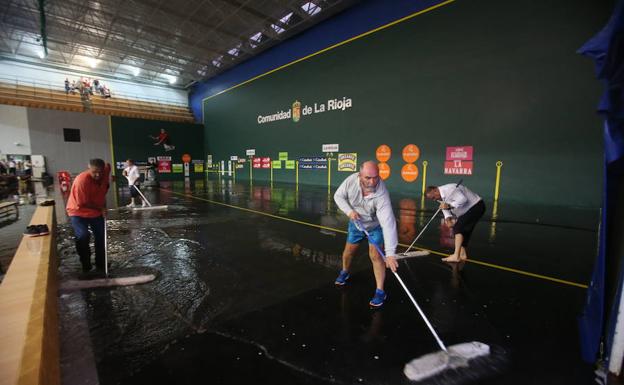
133 191
467 222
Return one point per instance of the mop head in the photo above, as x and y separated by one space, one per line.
432 364
117 277
162 207
411 254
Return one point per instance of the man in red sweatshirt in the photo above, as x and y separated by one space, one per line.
86 208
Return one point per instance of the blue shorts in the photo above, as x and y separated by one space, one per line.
356 236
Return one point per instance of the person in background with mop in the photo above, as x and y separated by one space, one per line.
363 197
86 207
131 172
461 203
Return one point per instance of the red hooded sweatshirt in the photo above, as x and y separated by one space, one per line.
87 197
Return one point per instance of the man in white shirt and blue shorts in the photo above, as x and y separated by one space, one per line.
462 210
363 197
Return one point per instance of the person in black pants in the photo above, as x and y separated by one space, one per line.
464 205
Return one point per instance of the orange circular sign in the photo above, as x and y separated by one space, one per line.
384 170
383 153
409 172
411 153
186 158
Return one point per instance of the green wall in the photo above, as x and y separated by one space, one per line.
131 140
500 76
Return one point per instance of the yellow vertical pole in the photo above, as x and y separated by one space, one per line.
296 184
424 182
499 165
329 172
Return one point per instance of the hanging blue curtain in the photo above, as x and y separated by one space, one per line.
607 51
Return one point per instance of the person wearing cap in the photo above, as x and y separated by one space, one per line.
462 210
86 208
363 197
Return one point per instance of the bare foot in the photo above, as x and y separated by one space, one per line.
452 258
463 257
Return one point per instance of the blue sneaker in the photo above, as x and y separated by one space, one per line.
342 278
378 299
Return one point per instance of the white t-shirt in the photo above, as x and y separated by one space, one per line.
461 199
133 174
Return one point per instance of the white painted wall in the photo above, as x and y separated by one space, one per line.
53 78
14 133
46 132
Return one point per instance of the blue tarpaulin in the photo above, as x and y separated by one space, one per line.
607 51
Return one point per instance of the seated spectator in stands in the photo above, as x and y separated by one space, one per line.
3 168
96 85
67 86
106 92
73 87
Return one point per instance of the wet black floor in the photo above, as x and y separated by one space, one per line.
244 297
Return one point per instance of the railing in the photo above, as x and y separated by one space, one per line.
55 86
29 94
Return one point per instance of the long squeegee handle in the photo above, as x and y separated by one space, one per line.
432 218
360 227
142 196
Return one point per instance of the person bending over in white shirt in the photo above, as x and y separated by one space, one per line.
363 197
461 203
131 172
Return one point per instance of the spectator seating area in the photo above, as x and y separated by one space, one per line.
58 99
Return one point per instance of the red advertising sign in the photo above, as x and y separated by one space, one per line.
459 153
458 167
256 162
164 166
266 162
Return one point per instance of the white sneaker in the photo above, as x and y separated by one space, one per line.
144 204
131 205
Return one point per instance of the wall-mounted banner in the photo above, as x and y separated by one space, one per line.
290 164
459 153
459 160
283 156
177 168
266 162
297 110
198 165
209 161
250 152
164 164
347 161
234 157
313 163
334 147
239 166
384 170
458 167
383 153
411 153
151 160
409 172
241 160
277 164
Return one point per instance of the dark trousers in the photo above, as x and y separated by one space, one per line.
81 232
466 223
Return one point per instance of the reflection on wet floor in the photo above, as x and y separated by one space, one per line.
245 297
